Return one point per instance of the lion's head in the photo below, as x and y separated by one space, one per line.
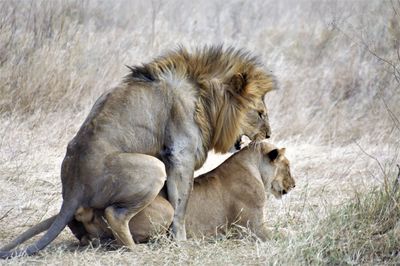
230 86
256 125
275 170
233 87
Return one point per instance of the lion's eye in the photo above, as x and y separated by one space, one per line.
261 114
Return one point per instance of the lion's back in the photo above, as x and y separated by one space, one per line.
129 118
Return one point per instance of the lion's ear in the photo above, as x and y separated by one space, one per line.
272 155
238 83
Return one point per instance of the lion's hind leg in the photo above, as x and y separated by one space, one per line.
118 220
137 180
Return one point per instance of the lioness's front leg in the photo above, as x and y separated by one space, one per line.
259 227
263 232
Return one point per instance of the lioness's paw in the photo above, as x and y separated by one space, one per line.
284 232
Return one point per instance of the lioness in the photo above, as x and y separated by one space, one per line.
233 193
175 108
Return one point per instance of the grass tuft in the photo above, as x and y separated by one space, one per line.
365 229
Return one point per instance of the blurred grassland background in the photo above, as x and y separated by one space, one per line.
337 112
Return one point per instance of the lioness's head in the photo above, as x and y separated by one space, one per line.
275 170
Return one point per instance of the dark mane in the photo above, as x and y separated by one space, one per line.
204 63
140 73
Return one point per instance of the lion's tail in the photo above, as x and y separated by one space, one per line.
28 234
61 220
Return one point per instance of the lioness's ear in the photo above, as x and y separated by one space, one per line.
238 83
272 155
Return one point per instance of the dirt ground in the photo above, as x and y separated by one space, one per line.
336 111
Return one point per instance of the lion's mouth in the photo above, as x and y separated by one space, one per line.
259 137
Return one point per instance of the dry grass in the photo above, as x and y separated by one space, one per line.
337 113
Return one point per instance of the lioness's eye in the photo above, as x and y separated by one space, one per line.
261 114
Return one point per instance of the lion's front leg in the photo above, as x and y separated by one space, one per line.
180 170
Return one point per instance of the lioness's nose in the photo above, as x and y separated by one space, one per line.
268 135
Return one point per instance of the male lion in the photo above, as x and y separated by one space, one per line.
233 193
175 108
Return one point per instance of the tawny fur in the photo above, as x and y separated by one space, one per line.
175 108
233 193
214 69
